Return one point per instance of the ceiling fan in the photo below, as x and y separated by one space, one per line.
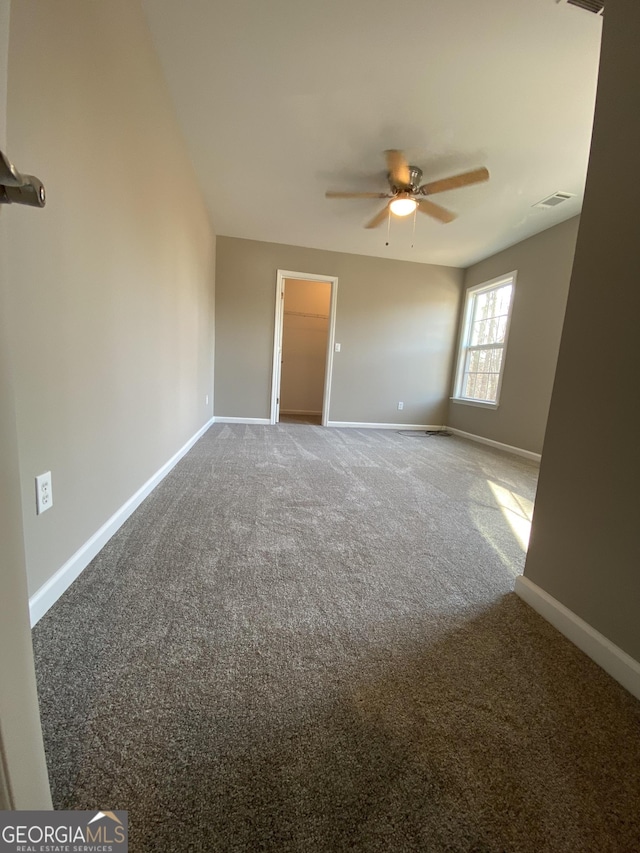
407 194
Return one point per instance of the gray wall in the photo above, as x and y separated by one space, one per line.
396 322
544 264
111 285
585 549
23 773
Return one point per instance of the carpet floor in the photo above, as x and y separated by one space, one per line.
305 641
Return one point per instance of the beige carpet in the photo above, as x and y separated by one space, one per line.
305 640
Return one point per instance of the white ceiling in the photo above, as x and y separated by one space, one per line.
280 100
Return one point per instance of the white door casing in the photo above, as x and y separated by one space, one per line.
277 340
23 772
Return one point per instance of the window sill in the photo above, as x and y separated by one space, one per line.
481 404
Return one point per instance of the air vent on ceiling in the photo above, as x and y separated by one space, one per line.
595 6
554 200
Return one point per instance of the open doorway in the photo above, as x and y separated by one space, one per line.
305 333
303 347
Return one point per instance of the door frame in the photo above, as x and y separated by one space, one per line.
277 341
24 783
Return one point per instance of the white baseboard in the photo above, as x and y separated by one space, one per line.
299 412
221 420
528 454
355 425
615 661
51 591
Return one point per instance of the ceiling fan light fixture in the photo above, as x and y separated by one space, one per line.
407 195
403 204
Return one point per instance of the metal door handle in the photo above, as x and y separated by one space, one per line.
16 188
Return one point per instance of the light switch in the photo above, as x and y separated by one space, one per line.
337 347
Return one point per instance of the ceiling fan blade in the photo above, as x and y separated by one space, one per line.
331 194
434 210
379 218
398 167
476 176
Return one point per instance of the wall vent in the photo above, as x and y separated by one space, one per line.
554 200
595 6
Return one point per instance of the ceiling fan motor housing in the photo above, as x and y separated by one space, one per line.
415 177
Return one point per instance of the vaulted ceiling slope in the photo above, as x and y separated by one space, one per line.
280 101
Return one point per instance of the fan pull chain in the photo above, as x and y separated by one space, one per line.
388 225
413 236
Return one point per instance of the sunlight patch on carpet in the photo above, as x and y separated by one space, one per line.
517 510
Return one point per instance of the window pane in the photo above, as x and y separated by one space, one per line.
492 387
486 332
474 360
489 324
470 385
504 299
501 329
481 386
479 333
481 306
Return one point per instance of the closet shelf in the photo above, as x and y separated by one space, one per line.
304 314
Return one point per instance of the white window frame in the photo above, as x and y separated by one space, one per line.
465 332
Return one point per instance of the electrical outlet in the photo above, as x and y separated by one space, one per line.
400 406
44 493
337 347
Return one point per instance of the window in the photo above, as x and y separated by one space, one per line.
483 342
